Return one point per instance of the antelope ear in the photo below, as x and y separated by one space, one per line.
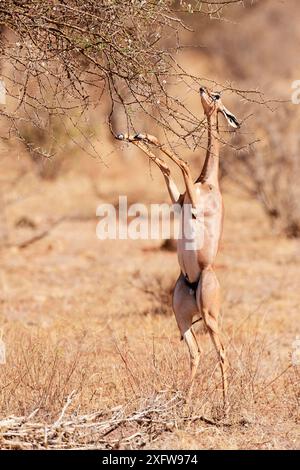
231 119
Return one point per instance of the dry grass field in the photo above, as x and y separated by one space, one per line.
94 358
93 353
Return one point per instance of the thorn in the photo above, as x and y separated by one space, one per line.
138 136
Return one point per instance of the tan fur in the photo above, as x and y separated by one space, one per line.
205 198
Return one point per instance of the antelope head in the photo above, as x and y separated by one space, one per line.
212 104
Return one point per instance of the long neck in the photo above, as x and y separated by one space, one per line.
210 170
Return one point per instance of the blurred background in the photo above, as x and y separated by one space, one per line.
95 316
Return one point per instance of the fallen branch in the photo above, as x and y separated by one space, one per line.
38 236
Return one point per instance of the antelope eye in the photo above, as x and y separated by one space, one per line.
216 97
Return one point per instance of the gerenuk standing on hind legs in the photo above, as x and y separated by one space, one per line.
197 289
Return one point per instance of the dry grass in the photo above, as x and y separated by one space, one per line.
71 393
94 358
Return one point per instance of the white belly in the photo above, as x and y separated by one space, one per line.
191 240
199 237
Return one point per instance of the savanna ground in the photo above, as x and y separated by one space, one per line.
93 352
